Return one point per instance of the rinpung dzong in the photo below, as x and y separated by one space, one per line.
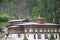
37 30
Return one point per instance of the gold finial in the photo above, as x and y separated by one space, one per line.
39 16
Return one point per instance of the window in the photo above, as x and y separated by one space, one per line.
27 35
56 36
48 30
30 30
55 30
27 29
42 29
36 29
18 35
51 29
39 36
34 36
7 35
33 29
46 36
59 30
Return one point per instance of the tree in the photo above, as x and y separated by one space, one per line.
5 17
35 12
51 37
30 4
25 38
46 8
8 6
57 14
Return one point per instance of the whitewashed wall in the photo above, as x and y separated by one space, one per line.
29 36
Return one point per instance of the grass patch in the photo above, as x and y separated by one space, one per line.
3 24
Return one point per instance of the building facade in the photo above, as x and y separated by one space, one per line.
38 30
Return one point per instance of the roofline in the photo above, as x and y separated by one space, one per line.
39 25
16 20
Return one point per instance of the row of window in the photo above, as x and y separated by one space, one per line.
41 30
39 36
45 36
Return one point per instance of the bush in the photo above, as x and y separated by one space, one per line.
51 37
25 38
4 17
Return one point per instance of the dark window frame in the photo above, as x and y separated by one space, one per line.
46 36
39 36
19 35
56 36
34 36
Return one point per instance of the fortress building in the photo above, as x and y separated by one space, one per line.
37 30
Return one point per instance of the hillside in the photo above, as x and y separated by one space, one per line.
49 9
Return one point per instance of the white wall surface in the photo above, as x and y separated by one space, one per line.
29 36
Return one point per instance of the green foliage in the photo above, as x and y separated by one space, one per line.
46 8
51 37
8 6
30 4
35 12
4 17
57 18
0 1
3 24
4 1
25 38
